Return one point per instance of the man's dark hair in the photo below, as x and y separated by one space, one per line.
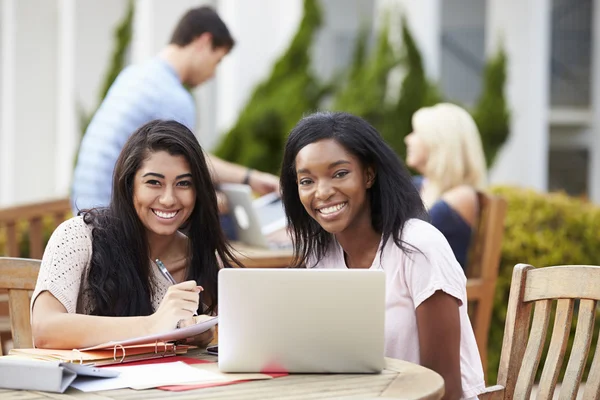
202 20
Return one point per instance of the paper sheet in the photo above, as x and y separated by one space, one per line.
147 376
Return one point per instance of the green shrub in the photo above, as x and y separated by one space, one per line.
541 230
276 105
364 92
415 92
491 113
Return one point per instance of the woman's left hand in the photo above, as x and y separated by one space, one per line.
201 340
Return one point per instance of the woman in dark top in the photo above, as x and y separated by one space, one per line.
445 148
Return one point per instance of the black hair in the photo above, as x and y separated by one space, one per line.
201 20
393 197
119 278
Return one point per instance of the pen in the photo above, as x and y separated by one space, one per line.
167 275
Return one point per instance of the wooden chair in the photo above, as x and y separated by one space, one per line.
482 267
522 347
19 276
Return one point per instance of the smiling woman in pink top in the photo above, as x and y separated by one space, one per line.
100 271
351 203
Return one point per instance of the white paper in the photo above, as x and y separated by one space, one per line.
147 376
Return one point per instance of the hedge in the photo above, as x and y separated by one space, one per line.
541 230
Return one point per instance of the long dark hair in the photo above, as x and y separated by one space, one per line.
119 279
393 197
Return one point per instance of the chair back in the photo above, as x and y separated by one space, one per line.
32 216
572 286
30 219
18 276
482 266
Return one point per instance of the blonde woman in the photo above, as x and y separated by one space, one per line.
445 148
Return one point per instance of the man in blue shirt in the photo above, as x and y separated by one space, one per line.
156 89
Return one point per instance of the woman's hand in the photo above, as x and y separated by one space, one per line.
180 303
203 339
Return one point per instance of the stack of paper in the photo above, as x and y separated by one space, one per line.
148 376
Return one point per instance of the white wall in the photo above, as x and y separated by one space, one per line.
34 99
94 45
523 27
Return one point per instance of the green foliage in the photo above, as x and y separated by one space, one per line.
416 92
122 34
364 92
541 230
276 105
491 113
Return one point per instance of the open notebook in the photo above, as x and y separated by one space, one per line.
136 349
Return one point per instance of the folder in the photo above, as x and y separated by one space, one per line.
165 344
17 373
104 355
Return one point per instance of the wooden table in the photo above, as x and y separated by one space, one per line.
256 257
400 379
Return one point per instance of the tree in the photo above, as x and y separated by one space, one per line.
257 138
491 113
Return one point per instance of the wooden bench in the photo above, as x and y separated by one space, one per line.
26 219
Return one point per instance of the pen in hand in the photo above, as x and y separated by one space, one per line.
166 274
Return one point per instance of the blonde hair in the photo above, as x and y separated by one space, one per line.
455 153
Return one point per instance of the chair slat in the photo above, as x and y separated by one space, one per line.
581 346
556 351
533 352
516 330
592 384
36 245
18 304
12 242
581 282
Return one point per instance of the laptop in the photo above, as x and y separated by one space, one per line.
258 222
301 320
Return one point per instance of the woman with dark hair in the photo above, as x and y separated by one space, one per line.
99 274
351 203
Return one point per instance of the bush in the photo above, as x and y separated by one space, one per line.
276 105
364 92
491 113
541 230
415 92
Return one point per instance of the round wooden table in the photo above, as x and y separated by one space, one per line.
400 380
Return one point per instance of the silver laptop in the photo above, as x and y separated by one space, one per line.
301 320
256 220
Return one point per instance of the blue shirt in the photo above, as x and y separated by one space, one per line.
452 225
140 94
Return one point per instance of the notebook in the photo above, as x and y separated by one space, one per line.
159 345
258 222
